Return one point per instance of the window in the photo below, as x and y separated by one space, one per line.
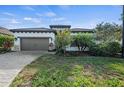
73 44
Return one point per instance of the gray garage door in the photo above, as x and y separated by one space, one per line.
29 44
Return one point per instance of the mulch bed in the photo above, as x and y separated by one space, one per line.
77 53
86 53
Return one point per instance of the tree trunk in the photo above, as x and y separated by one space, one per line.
123 34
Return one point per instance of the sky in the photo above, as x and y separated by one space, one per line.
84 16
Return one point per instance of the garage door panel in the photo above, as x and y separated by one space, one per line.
34 43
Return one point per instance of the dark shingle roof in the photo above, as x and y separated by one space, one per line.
49 30
81 30
5 31
31 30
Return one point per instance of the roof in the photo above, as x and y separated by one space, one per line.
49 30
31 30
5 31
60 26
81 30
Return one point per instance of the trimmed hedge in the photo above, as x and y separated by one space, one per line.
6 42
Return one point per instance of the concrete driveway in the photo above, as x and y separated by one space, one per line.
12 63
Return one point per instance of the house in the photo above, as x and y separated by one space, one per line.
4 31
28 39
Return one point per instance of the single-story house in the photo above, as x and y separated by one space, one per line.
5 31
28 39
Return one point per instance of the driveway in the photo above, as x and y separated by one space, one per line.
12 63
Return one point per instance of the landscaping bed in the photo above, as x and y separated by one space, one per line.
87 53
2 50
76 71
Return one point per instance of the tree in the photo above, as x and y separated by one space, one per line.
108 32
83 40
123 34
63 38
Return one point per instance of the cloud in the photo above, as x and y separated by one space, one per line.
35 20
28 8
9 21
14 21
8 14
59 19
39 14
9 26
47 14
50 14
4 19
27 18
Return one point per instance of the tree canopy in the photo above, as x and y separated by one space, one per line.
108 32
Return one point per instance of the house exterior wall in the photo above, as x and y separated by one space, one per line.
60 29
51 35
19 35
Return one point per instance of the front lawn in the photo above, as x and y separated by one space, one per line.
87 71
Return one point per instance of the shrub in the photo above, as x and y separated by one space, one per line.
113 48
83 40
105 49
6 42
63 38
94 49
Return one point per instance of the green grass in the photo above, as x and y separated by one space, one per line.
87 71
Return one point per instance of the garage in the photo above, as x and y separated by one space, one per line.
34 44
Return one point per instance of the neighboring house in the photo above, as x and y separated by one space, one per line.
28 39
5 31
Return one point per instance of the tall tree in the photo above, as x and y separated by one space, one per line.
106 32
123 34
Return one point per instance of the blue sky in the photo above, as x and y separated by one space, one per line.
44 15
